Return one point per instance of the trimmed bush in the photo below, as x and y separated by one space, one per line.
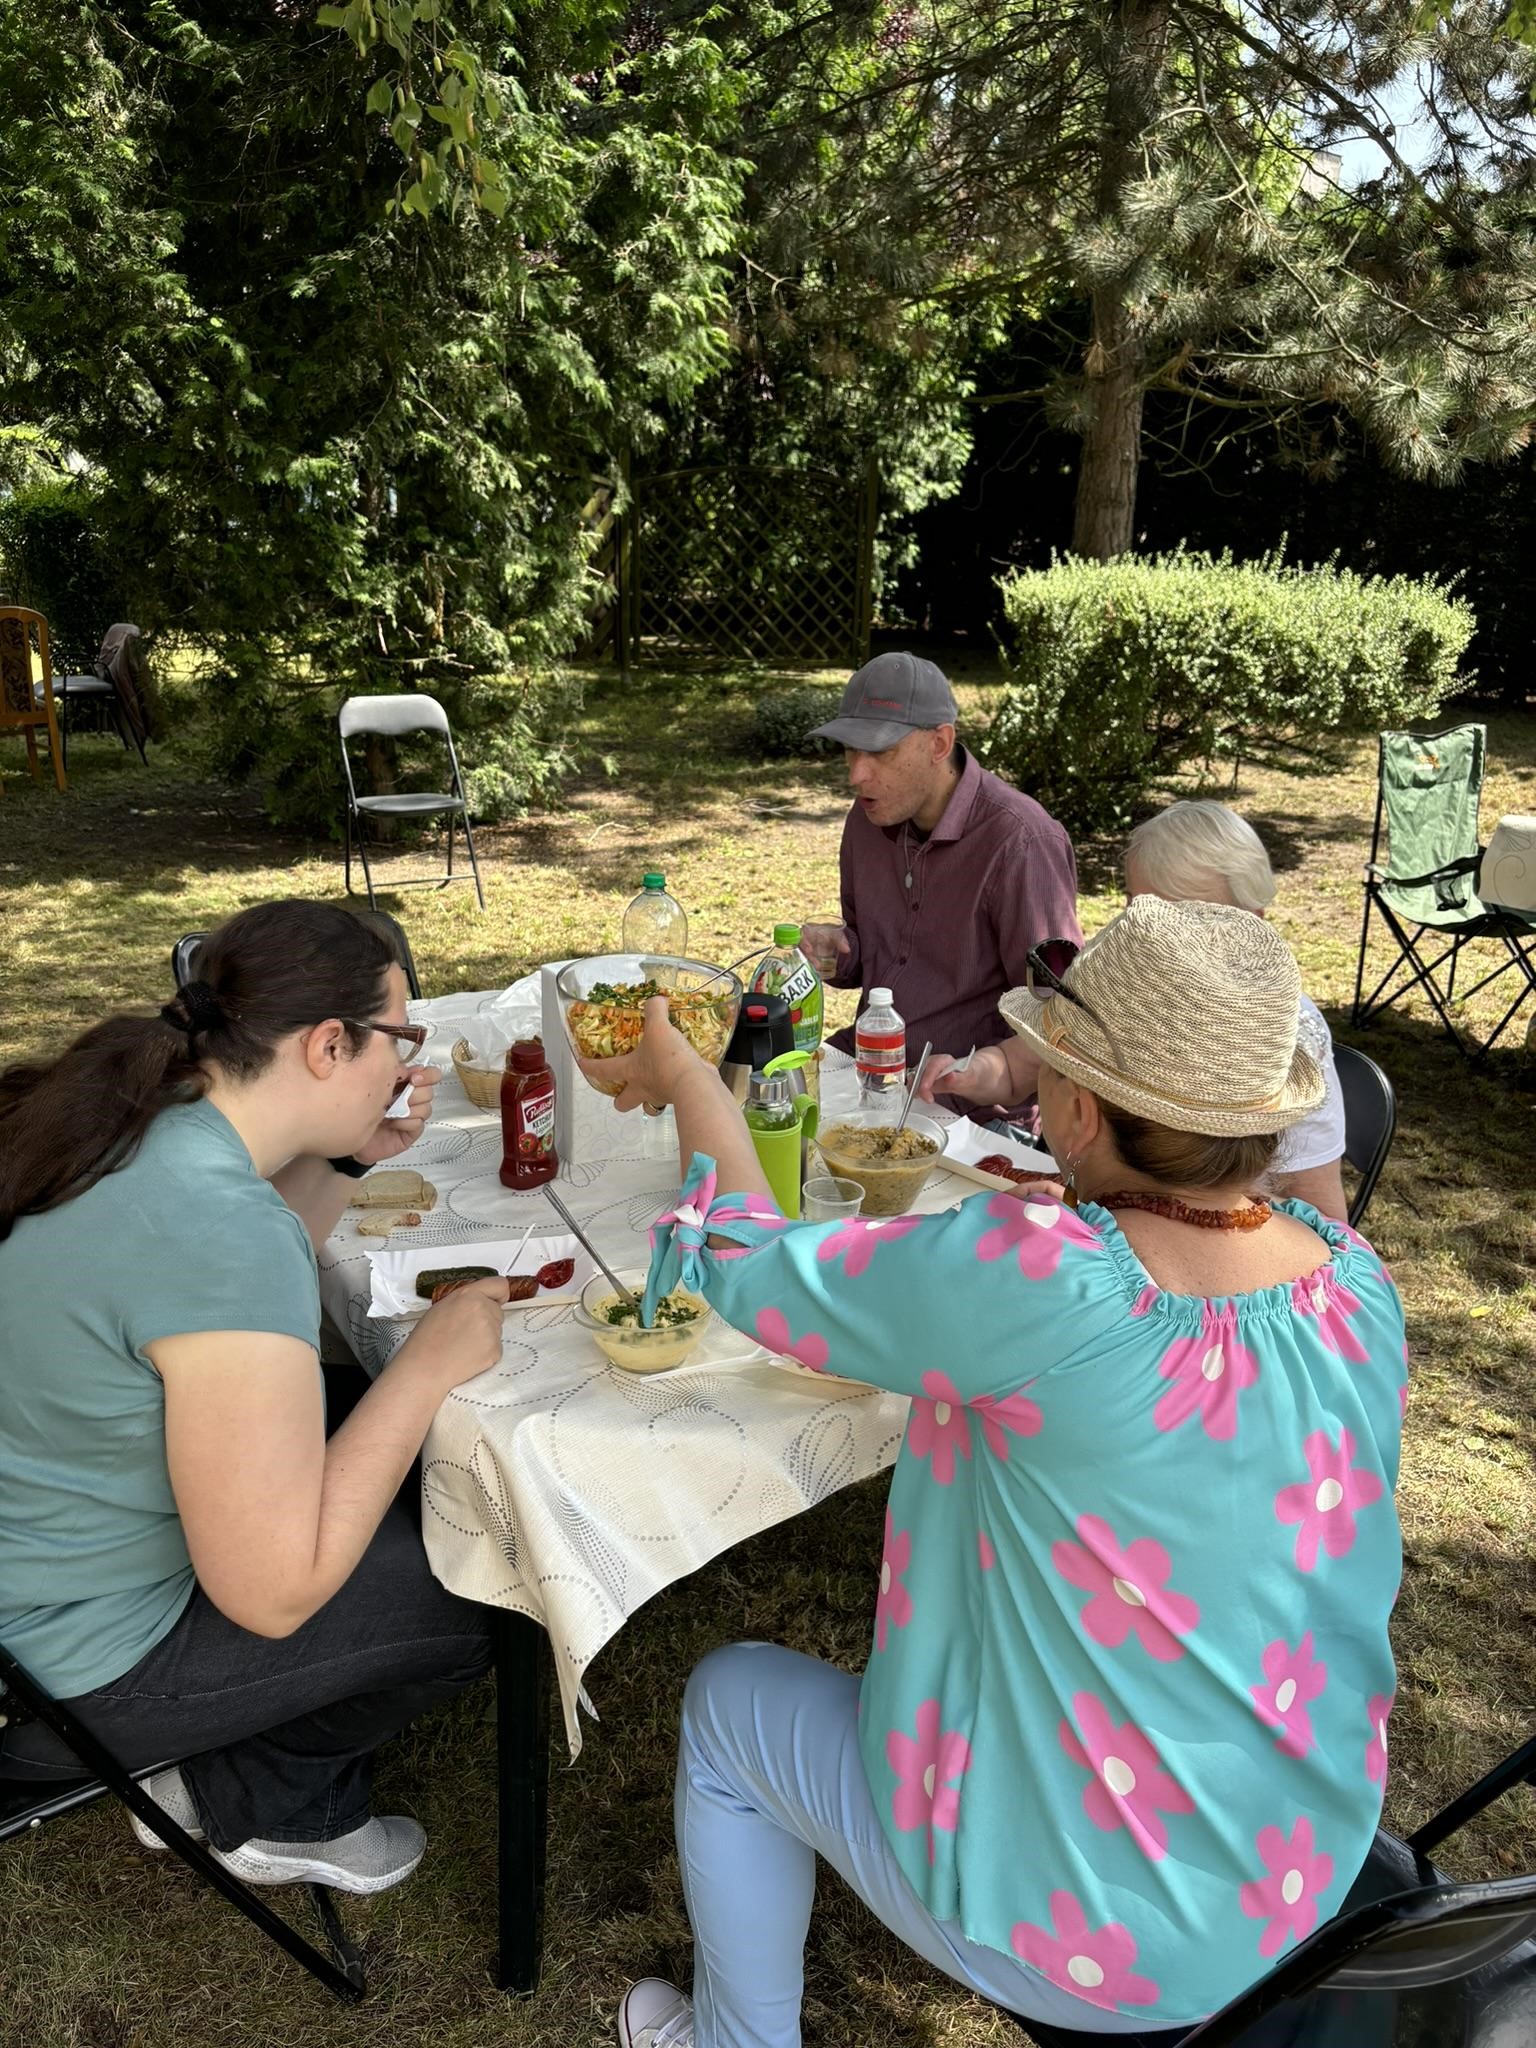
780 723
52 558
1123 671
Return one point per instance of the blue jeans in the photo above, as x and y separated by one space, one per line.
769 1776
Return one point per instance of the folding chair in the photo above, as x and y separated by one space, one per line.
37 1785
118 684
1428 789
185 951
390 718
1413 1959
26 685
1370 1121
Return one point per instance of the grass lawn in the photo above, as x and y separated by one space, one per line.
102 1946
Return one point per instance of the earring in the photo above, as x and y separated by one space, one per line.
1069 1184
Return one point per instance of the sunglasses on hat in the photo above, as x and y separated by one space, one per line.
1044 967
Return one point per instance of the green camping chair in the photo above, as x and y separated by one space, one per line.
1428 789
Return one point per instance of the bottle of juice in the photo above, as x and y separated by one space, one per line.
785 971
655 923
880 1053
528 1156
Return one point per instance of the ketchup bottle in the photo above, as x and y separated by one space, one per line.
528 1117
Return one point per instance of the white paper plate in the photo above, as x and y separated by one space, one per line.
394 1295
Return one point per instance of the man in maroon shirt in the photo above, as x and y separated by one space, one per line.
949 875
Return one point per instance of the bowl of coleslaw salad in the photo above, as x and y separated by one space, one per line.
602 1001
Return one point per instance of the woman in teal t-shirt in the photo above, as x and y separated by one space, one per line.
1121 1738
184 1556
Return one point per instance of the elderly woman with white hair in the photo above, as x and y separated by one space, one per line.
1192 852
1199 851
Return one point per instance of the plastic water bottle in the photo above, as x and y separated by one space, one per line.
656 923
785 971
880 1053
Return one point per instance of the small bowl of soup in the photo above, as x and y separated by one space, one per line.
682 1317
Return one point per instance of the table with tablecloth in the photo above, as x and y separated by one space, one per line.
559 1488
555 1484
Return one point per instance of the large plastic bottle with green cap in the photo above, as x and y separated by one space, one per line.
785 971
656 924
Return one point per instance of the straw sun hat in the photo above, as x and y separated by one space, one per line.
1198 1004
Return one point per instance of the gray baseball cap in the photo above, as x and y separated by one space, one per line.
889 697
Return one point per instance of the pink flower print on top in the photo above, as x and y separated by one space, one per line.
893 1604
1000 1414
926 1797
1208 1374
1378 1712
984 1550
1330 1304
1130 1594
938 1425
1288 1897
1145 1302
855 1243
1037 1229
1295 1678
1097 1966
1129 1788
1324 1505
772 1330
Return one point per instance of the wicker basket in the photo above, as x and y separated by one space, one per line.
481 1084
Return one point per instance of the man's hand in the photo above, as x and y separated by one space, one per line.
984 1079
826 947
396 1134
654 1071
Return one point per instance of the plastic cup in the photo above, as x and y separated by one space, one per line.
826 1199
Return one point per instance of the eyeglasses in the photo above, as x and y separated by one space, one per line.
1045 965
412 1036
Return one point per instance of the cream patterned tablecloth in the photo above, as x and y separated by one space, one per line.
555 1484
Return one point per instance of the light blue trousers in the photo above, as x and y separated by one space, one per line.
769 1776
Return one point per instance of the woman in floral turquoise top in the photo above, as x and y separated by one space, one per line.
1121 1740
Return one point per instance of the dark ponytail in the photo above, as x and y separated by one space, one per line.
270 971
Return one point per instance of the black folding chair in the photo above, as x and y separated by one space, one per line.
1428 792
185 951
50 1763
1370 1121
392 718
1413 1959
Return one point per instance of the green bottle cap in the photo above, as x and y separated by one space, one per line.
787 1062
654 881
786 935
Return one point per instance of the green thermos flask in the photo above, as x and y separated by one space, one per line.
781 1119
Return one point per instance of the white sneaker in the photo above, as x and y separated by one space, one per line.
168 1789
373 1857
654 2014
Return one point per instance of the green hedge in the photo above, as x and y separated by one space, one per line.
52 559
1123 671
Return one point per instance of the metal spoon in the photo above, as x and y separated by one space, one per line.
630 1300
917 1078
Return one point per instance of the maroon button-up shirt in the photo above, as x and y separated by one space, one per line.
946 922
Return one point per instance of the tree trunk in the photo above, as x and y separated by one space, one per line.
1106 477
1134 53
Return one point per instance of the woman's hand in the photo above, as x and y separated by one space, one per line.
660 1064
397 1134
459 1337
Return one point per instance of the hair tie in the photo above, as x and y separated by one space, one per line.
195 1008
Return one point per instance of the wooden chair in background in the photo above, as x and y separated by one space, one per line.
26 685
